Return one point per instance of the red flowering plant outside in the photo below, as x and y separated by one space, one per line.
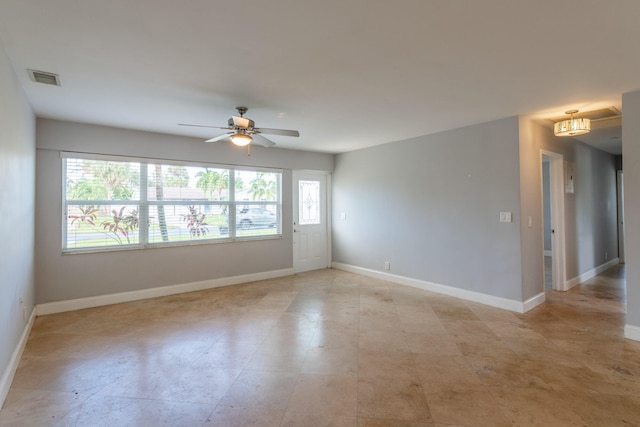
121 224
195 222
87 214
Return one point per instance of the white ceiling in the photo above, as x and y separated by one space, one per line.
346 73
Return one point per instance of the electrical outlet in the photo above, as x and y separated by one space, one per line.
387 265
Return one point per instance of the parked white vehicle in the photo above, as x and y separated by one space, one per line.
256 217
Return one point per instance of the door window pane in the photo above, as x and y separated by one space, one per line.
309 205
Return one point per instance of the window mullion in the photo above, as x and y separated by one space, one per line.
232 203
143 218
279 208
65 206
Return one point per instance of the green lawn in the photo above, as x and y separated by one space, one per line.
84 235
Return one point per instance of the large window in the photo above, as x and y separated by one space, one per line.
112 202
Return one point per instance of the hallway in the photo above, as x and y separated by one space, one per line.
332 348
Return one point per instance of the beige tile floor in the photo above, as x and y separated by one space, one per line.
332 348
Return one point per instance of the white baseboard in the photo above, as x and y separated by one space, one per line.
632 332
100 300
503 303
533 302
12 367
590 274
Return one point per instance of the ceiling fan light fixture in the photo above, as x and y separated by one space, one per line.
241 139
571 126
240 131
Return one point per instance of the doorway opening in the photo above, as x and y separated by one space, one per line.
553 219
620 184
546 220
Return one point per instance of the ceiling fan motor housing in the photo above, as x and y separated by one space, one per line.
242 122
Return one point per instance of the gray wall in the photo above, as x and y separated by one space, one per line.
631 154
17 170
62 277
590 212
530 206
430 206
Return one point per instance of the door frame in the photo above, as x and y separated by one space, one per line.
294 199
620 191
558 249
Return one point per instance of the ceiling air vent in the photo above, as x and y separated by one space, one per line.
44 77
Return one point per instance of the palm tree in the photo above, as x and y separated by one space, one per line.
211 180
162 219
117 177
222 183
177 176
98 179
261 189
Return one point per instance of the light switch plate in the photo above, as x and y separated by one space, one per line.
505 216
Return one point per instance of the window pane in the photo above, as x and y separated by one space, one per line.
309 202
173 182
257 220
102 226
257 186
106 200
176 223
102 180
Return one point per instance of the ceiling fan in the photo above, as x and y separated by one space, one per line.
242 131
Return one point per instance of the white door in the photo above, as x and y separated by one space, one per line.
310 223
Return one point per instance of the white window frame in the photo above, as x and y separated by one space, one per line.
144 203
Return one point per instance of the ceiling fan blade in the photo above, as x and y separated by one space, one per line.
261 140
220 138
243 122
283 132
204 126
